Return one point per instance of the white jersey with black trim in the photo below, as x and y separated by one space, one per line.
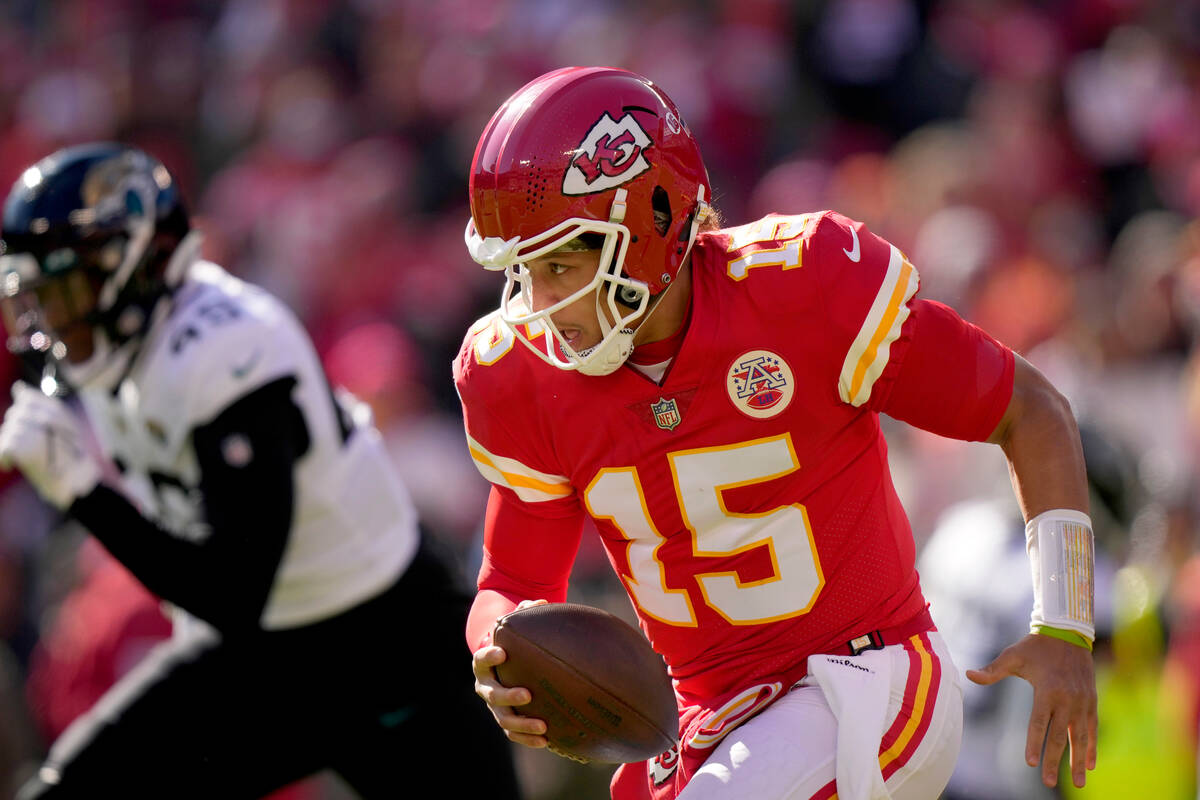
354 527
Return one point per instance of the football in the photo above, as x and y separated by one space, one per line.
603 692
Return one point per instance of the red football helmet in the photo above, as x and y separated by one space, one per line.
587 150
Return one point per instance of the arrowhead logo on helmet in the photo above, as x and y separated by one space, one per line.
612 153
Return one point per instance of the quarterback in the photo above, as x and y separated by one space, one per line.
237 486
709 397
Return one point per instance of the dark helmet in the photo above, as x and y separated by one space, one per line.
85 242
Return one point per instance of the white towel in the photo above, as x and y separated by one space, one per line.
857 690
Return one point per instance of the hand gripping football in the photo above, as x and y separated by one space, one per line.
603 692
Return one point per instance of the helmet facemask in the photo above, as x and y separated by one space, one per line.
620 299
110 292
46 316
587 150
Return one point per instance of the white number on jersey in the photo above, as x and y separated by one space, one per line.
701 477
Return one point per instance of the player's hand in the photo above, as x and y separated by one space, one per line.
501 699
1064 701
42 436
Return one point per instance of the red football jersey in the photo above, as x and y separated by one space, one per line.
746 501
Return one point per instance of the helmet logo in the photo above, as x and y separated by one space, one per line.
611 154
760 384
115 187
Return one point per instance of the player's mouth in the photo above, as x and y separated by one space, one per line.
571 335
575 338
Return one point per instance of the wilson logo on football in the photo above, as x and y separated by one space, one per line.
760 384
612 153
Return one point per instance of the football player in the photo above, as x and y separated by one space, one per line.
710 398
237 486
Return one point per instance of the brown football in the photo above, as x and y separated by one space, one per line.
603 692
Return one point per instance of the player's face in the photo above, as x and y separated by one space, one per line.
555 277
64 304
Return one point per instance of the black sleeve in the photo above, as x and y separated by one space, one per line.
246 457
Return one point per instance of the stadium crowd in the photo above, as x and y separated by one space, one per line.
1038 162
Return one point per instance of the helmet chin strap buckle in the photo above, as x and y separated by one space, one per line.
619 206
626 295
606 357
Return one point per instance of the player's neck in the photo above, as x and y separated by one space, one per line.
666 318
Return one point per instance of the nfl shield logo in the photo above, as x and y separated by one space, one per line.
666 414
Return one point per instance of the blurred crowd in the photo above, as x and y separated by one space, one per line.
1039 162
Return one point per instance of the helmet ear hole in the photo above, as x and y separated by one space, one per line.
628 295
660 203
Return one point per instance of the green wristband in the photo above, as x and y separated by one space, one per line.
1077 639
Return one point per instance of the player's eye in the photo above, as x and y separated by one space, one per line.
558 269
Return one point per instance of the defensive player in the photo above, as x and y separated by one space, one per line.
710 398
261 506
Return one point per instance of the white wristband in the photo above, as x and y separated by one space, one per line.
1061 560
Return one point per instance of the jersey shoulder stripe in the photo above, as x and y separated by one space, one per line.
869 352
531 485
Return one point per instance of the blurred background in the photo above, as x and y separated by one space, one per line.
1039 162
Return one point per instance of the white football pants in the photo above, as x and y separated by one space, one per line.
827 735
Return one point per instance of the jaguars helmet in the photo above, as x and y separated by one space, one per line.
90 243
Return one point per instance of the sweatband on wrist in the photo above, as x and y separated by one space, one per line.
1060 547
1070 637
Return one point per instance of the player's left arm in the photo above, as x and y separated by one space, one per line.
918 361
1040 439
953 379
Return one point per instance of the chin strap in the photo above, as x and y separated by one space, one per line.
106 367
606 357
110 363
703 209
616 350
186 253
609 355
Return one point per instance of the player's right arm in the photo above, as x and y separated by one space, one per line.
527 557
534 519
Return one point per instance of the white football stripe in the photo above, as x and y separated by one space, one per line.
868 354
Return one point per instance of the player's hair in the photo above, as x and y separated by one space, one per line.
711 220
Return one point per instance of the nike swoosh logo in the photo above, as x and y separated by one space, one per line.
854 254
244 369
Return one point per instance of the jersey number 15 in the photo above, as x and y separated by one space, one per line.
701 476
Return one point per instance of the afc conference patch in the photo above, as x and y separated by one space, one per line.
760 384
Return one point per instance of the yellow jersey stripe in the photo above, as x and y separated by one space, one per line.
529 484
